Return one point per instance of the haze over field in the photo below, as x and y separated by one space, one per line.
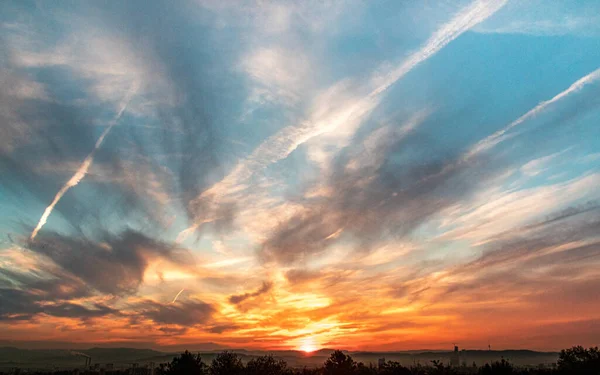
279 175
122 358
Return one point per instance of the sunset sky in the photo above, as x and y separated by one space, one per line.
365 175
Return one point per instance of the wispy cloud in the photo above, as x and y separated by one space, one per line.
557 19
500 135
465 19
239 298
85 165
330 113
331 160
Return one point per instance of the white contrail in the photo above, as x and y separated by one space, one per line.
470 16
284 142
87 162
280 145
498 136
177 296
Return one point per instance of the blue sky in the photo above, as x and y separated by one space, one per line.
347 165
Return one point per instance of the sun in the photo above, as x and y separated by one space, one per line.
308 345
308 348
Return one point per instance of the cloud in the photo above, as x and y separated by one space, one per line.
388 196
266 19
500 135
498 210
188 313
46 283
114 48
283 74
83 169
124 257
441 233
559 18
72 310
51 130
539 165
330 113
464 20
25 305
223 328
176 331
569 25
17 91
239 298
525 262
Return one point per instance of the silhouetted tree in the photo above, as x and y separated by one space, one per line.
502 367
339 364
394 368
309 371
185 364
362 369
440 369
266 365
578 360
226 363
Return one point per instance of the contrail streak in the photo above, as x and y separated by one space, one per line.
285 141
87 162
177 296
498 136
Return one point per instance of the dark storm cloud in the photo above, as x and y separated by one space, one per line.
239 298
388 198
186 313
124 258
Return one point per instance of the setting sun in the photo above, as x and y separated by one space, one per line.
308 345
308 348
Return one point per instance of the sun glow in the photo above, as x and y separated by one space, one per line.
308 345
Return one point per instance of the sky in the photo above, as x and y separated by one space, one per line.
364 175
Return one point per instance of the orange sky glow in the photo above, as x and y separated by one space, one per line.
341 174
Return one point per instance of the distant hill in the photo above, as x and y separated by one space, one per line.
479 357
122 357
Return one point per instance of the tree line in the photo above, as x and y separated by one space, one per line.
576 360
